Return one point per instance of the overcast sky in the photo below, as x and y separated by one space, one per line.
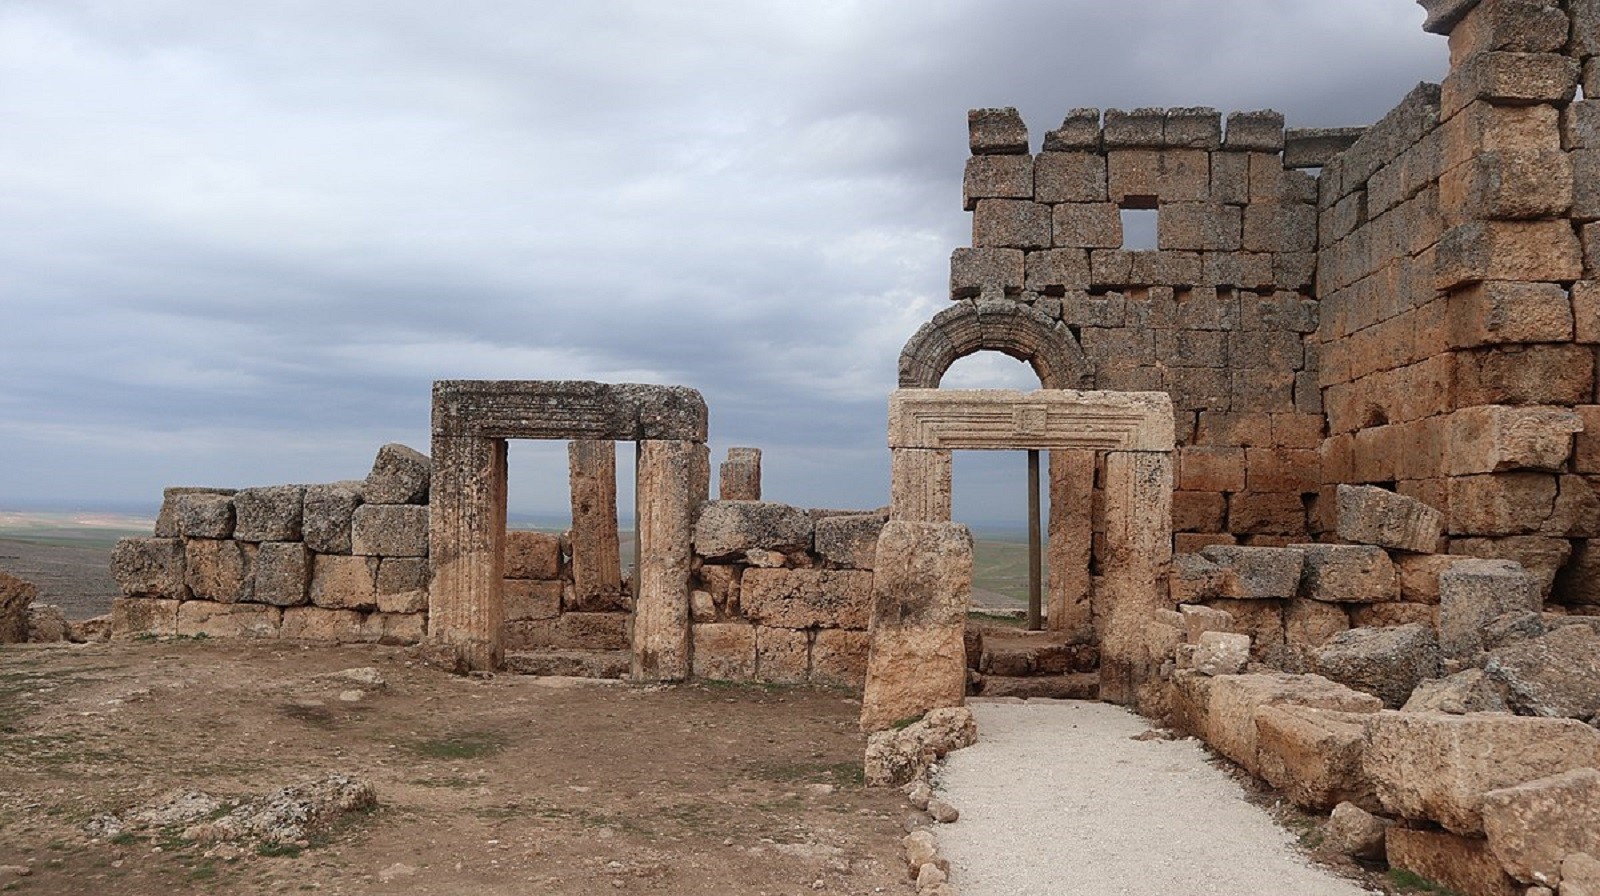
238 241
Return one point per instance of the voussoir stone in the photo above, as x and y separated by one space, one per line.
1385 662
730 528
400 475
1556 674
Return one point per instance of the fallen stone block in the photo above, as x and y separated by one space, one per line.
16 596
1531 827
1198 620
1554 675
1385 662
1469 690
1377 516
727 529
1308 624
149 567
1259 572
271 513
1221 653
1463 864
1353 831
1419 576
1430 766
1348 573
897 757
1221 709
399 475
1194 578
1472 593
1313 755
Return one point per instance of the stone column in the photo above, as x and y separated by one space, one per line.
1138 509
1071 538
596 554
673 477
919 485
466 545
921 585
739 479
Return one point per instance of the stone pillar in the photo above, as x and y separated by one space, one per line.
466 545
1071 538
673 478
921 585
739 479
919 485
596 554
1138 510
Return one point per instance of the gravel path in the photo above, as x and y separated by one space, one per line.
1056 799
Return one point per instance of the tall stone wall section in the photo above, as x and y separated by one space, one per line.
1458 246
1217 315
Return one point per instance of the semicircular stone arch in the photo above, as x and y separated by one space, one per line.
1011 328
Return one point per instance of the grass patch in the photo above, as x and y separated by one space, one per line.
277 850
1411 882
467 745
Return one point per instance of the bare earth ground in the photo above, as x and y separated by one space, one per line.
507 784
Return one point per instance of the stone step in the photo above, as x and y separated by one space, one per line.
575 663
1018 653
1071 686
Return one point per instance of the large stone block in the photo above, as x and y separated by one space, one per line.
1222 709
978 273
344 582
1385 662
167 523
1010 224
739 477
270 513
1377 516
1508 250
1472 593
395 629
1533 374
1542 556
1520 26
994 177
807 598
1437 766
399 475
726 529
532 555
149 567
1505 78
329 511
1348 573
921 585
218 569
1466 691
1509 186
148 617
1309 624
1580 872
531 599
1554 675
283 572
849 541
1463 864
1498 439
783 655
839 657
1313 755
390 530
1069 177
1258 572
322 625
203 514
724 651
403 585
198 618
997 131
1501 503
1531 827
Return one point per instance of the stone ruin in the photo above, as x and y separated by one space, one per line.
1323 467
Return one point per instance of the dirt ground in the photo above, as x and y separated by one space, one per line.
504 784
74 573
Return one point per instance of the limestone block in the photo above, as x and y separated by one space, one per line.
1501 503
839 657
1580 875
1262 620
724 651
996 132
1481 128
783 656
1463 864
1437 766
1509 186
1261 131
1068 269
1010 224
390 530
1354 831
1069 177
1079 130
1269 513
722 581
1134 177
730 528
167 525
1211 469
16 596
1505 78
1138 128
1348 573
1496 312
149 567
996 177
1385 662
1313 755
1586 329
1521 26
218 569
344 582
594 631
283 572
1316 147
150 617
1221 653
851 541
402 585
1543 557
1555 675
1496 439
807 598
1469 690
1585 194
529 599
272 513
396 629
47 625
990 272
1194 578
1532 826
399 475
203 514
1199 226
1377 516
198 618
739 477
1197 620
1508 250
1259 572
1086 225
921 585
1532 374
1222 709
673 481
1472 593
1311 623
329 511
323 625
532 555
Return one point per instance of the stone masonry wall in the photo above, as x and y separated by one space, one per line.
341 562
1217 315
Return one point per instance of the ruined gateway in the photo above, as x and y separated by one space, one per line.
1324 469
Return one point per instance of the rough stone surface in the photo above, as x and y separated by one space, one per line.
402 585
133 617
673 480
1312 755
1469 690
390 530
729 528
203 515
783 655
1437 766
839 658
1377 516
213 620
271 513
167 525
1354 831
218 569
344 583
1221 653
1385 662
739 477
47 625
1555 675
1221 710
532 555
1474 592
1580 875
595 544
149 567
850 541
898 756
724 651
1259 572
1348 573
283 572
399 475
329 511
807 598
1532 826
16 596
1463 864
